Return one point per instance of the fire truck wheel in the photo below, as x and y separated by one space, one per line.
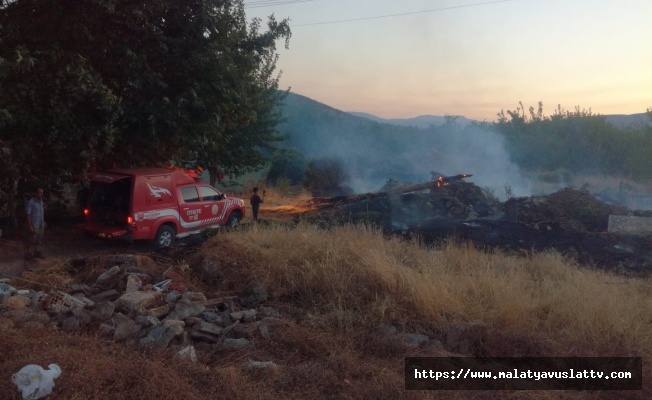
165 236
234 220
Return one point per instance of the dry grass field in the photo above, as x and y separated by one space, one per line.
334 288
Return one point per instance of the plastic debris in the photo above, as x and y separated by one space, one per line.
189 353
162 286
34 382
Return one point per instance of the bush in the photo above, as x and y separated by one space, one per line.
326 177
287 167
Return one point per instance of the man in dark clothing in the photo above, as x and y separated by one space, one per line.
255 201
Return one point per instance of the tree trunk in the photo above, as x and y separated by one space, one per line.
212 173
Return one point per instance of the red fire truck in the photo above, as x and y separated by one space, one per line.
155 204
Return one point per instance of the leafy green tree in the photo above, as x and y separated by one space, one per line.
577 141
287 164
326 177
104 83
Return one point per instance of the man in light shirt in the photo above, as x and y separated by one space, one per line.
36 224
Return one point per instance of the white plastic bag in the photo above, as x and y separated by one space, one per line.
35 382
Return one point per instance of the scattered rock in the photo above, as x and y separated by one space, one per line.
188 353
269 326
257 295
103 311
173 296
109 278
160 312
159 338
262 364
134 283
135 300
184 309
105 330
196 297
110 295
244 316
234 344
88 302
80 288
206 327
415 340
192 321
125 327
215 318
264 331
16 302
174 322
264 312
147 321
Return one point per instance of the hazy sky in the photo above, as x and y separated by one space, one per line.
467 57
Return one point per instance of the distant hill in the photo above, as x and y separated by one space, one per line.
369 148
622 120
425 121
422 121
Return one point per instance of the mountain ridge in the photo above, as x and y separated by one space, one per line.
426 120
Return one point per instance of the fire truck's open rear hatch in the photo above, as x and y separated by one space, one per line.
109 204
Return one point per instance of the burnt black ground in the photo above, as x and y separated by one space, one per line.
619 253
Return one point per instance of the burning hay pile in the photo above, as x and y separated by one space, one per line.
412 205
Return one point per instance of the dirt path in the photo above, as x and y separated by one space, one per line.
64 240
61 243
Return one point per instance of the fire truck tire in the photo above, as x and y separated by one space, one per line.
234 220
165 236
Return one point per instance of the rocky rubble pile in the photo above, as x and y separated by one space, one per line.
137 308
129 305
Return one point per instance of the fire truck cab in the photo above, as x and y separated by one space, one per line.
155 204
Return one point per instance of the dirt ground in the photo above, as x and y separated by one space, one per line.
64 239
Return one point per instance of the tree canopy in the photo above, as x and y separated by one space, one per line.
578 141
101 83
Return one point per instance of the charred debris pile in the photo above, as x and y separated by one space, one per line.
404 206
570 221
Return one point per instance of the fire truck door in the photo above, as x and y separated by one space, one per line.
191 210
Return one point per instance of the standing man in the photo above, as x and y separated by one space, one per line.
36 224
255 201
